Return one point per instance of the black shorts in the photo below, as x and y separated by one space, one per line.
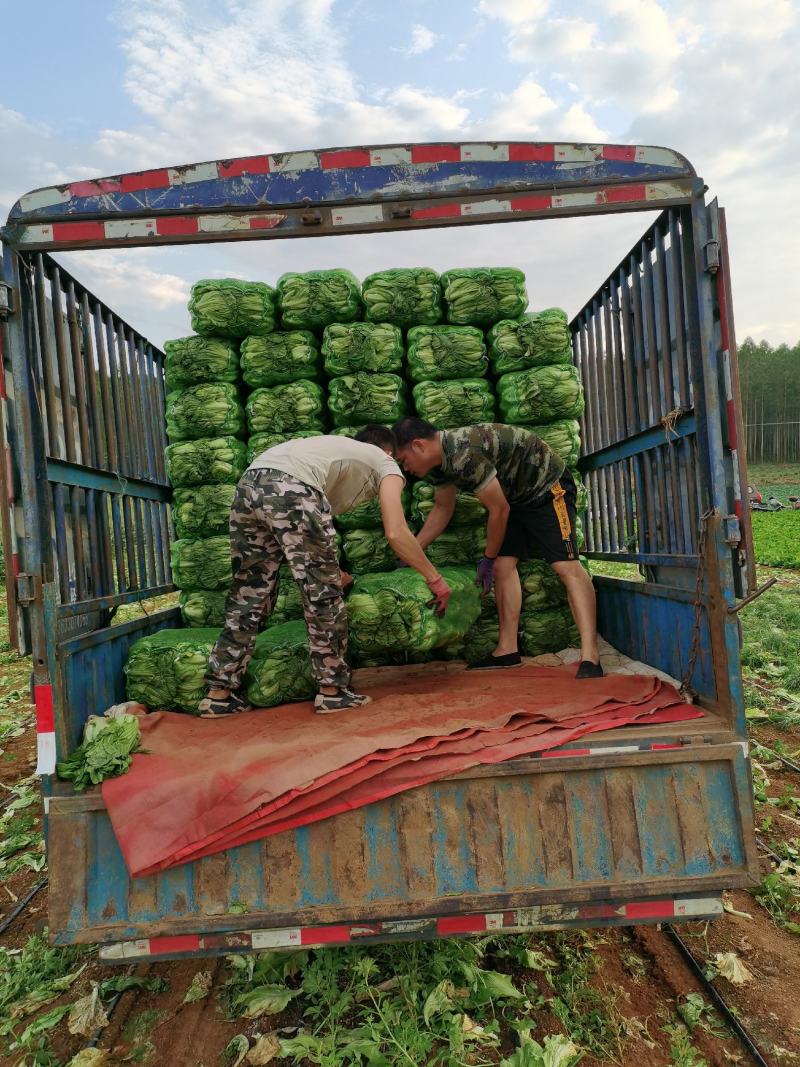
544 528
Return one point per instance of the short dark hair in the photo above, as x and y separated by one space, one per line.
376 434
411 429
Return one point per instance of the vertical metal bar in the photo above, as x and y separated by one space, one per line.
135 394
97 416
593 401
138 521
127 430
651 352
679 310
104 374
122 582
639 356
167 537
662 309
76 509
576 360
149 409
606 403
62 549
48 364
150 538
119 409
162 408
64 387
83 410
158 541
133 582
621 304
614 381
95 545
105 540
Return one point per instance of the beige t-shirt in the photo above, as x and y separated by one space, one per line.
348 472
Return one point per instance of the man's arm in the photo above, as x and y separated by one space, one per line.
404 544
444 504
494 500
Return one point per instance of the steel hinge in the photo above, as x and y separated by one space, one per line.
26 589
695 740
711 259
733 532
6 301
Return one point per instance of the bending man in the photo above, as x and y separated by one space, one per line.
283 513
530 497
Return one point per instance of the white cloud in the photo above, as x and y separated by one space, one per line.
550 38
422 40
514 12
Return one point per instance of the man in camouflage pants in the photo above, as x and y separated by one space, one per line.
530 498
283 513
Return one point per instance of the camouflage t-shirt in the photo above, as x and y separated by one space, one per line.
523 463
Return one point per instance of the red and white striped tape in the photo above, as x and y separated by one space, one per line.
45 730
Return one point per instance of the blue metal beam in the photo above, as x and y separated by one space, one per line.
62 472
640 442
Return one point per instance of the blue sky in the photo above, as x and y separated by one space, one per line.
96 88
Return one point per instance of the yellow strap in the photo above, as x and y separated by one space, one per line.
561 510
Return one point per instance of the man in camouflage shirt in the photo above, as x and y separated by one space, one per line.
530 498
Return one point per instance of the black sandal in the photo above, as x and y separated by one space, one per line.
493 663
221 707
341 701
588 669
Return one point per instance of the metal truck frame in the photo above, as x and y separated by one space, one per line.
642 825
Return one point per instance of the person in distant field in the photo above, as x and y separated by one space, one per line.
795 502
283 513
530 497
755 496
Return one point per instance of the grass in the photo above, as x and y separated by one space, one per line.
770 664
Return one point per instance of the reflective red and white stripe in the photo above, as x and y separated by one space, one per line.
45 730
341 158
545 917
132 229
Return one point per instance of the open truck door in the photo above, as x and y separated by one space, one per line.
643 824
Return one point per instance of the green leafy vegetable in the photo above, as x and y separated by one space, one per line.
481 296
279 358
226 307
280 670
202 511
286 408
455 403
362 346
540 395
546 630
194 360
436 353
469 510
317 298
458 547
405 296
202 563
204 411
260 442
362 398
367 516
212 460
537 339
105 752
563 436
366 551
166 670
203 607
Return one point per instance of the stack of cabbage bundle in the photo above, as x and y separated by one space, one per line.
286 408
469 510
196 360
482 636
389 613
350 347
537 339
546 623
210 461
442 353
227 307
357 399
278 358
462 546
314 300
484 295
280 670
207 410
166 670
455 403
260 442
403 296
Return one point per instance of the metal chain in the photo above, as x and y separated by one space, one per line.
685 689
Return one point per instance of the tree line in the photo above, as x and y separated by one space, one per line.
770 386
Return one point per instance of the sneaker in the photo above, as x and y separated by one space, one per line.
341 701
492 662
220 707
588 669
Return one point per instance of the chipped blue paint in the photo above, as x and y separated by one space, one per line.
173 888
310 890
385 872
107 879
593 858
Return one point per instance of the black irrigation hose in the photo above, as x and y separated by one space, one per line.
718 1000
776 755
768 851
22 905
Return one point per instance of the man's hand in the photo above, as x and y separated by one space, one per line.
345 579
485 578
441 594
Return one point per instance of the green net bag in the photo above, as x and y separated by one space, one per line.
260 442
226 307
210 461
541 394
348 347
563 436
367 516
483 295
482 636
203 607
347 431
202 563
280 670
582 500
203 511
534 340
458 547
546 630
458 403
286 408
388 613
195 360
357 399
315 299
541 586
469 510
405 296
204 411
289 602
436 353
279 358
166 670
367 551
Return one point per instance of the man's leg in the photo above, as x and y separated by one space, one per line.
582 602
256 558
508 595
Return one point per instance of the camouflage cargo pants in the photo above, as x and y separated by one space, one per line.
276 519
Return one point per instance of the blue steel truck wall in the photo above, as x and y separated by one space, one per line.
647 823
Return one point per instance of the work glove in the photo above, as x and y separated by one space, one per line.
345 579
441 594
485 578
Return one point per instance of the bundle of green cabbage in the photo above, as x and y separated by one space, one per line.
289 602
347 431
348 347
389 613
483 295
582 501
279 358
194 360
546 630
469 510
208 410
203 511
537 339
317 298
203 607
458 547
367 551
405 296
105 752
367 516
541 586
457 403
482 636
210 461
260 442
362 398
166 670
286 408
201 563
541 394
226 307
436 353
280 670
563 436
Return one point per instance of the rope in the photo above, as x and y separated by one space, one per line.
669 422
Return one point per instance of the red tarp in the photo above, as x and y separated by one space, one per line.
207 785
